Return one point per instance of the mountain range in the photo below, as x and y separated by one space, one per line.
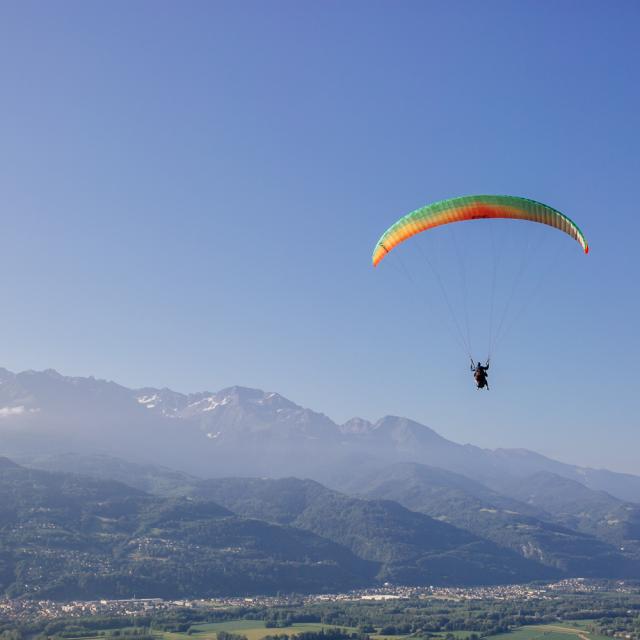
240 431
253 487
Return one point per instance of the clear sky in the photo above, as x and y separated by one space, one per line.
191 192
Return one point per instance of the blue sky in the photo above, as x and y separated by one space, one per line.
192 191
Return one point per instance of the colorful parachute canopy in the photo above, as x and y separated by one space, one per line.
473 208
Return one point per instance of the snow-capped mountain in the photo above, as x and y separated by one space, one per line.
239 431
237 412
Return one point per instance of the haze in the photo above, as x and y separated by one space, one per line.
191 195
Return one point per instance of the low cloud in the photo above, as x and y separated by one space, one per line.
6 412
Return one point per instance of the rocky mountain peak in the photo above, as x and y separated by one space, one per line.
356 426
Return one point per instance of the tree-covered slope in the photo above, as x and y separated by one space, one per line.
411 547
578 507
526 528
65 536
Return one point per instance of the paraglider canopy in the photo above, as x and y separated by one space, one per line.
474 208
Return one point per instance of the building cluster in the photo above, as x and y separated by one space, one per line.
31 609
583 585
499 592
24 610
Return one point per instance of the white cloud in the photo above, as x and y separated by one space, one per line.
7 412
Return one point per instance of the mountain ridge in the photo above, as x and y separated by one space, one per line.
220 433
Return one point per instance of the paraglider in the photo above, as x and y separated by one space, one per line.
475 207
480 374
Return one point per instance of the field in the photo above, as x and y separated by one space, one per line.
252 629
256 630
573 630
